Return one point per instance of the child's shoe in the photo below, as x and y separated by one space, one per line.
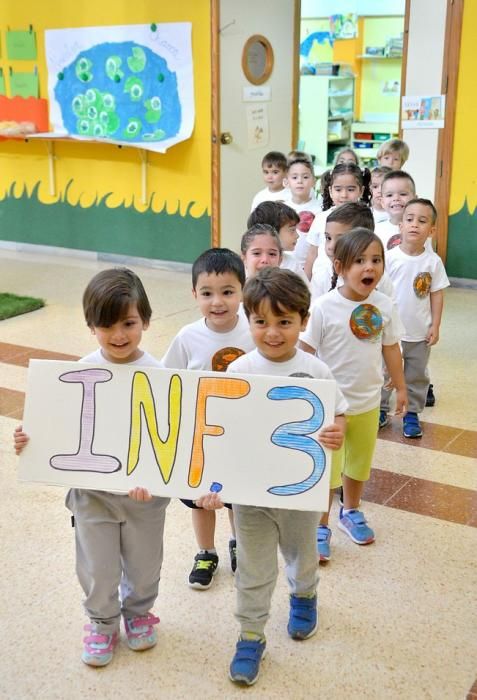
411 428
303 619
323 537
140 632
202 574
245 665
356 527
430 398
383 419
98 648
233 554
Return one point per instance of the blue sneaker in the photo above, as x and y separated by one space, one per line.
411 428
245 665
303 619
383 419
323 537
355 525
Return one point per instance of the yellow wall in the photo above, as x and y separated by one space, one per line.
180 176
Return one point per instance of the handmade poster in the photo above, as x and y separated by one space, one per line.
344 26
24 84
423 112
252 439
21 45
129 84
257 125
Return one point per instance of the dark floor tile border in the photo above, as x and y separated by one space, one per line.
472 694
443 438
20 355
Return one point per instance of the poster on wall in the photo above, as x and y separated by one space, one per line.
178 433
423 112
344 26
257 125
130 85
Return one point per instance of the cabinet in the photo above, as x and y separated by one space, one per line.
368 136
325 116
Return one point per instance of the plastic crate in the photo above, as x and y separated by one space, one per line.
361 144
381 137
363 135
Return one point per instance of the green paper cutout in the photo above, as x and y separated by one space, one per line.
2 84
21 45
24 85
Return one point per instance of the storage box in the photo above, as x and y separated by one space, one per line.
363 135
362 144
381 137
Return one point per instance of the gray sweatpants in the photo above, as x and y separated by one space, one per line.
119 543
259 532
415 357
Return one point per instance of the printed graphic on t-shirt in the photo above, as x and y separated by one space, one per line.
366 322
422 284
306 220
223 357
394 241
301 374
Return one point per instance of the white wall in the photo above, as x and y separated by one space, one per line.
325 8
423 77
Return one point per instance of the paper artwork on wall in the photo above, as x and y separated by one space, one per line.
24 84
21 45
131 85
344 26
423 112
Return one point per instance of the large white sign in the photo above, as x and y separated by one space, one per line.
180 433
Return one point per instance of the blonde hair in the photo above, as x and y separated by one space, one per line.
394 146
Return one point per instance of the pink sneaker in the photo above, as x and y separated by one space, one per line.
98 648
140 632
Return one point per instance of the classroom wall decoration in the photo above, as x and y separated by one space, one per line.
120 426
130 84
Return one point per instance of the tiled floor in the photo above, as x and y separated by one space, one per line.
397 617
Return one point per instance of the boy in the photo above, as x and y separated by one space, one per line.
274 170
284 219
277 304
218 338
301 182
397 189
119 543
377 176
393 153
419 278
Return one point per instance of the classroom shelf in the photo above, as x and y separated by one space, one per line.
366 137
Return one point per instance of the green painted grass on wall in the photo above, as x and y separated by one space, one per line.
122 230
462 244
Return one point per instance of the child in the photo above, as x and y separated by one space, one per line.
277 303
397 189
301 182
351 329
274 170
260 247
299 155
345 183
419 278
211 343
341 220
346 155
119 542
284 219
377 175
393 153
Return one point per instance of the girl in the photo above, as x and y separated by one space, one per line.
377 176
260 247
345 183
351 329
301 183
346 155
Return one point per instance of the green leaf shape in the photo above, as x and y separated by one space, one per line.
133 128
84 127
137 62
113 123
109 103
98 129
83 70
157 135
92 112
113 68
79 105
154 109
135 87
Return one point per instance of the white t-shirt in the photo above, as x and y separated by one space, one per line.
348 336
196 346
301 365
391 236
266 195
146 360
415 277
379 216
316 235
289 262
307 213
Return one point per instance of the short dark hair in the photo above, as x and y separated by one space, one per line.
259 230
284 289
218 261
109 294
399 175
276 214
353 213
381 170
275 158
425 203
307 162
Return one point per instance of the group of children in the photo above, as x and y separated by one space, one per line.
308 296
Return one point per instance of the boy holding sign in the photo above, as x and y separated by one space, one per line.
119 541
277 303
